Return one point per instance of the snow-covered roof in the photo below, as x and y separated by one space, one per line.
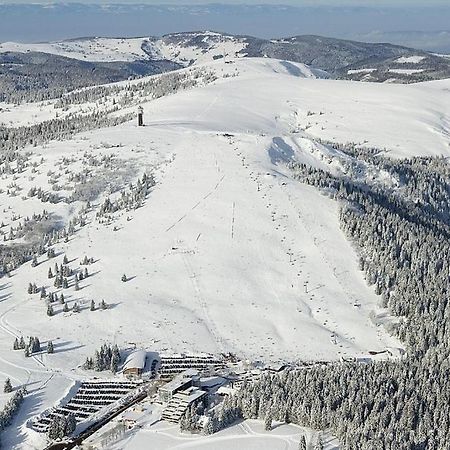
135 360
175 384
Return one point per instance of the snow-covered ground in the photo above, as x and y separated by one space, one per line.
228 253
415 59
406 71
213 45
248 435
90 49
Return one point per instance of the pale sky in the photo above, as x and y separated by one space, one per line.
383 3
415 23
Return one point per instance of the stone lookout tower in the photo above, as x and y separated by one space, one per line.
140 116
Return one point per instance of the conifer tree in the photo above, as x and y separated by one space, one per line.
268 421
50 348
16 344
302 443
7 388
71 424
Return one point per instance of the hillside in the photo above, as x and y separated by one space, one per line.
227 252
89 61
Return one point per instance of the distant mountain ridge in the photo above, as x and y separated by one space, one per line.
106 60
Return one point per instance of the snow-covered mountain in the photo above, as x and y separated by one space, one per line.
227 252
185 48
339 58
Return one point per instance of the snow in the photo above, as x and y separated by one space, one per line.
406 71
135 360
415 59
228 46
249 434
130 49
354 71
93 49
228 253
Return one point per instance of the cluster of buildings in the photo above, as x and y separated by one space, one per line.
183 380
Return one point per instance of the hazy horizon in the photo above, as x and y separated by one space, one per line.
425 27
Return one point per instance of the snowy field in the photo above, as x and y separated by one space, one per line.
228 252
131 49
248 435
95 49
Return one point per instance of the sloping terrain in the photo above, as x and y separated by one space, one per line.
336 58
37 75
226 252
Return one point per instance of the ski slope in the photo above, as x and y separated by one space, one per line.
229 253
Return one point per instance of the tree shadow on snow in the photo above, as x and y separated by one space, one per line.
13 436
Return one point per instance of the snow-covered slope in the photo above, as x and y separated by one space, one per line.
183 48
339 59
228 253
89 49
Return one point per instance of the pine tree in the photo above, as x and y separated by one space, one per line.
65 260
86 273
92 305
50 273
66 307
76 286
302 443
211 426
65 283
50 348
50 311
16 344
27 351
36 345
7 388
34 262
268 421
71 424
103 305
43 292
62 300
30 288
22 343
124 278
115 359
75 307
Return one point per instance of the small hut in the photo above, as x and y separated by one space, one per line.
135 363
